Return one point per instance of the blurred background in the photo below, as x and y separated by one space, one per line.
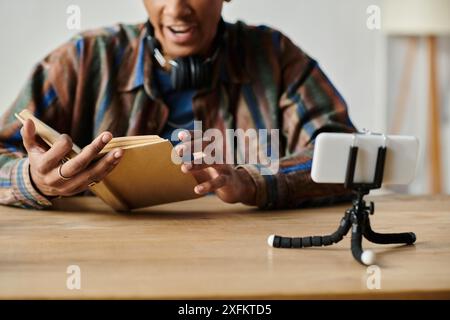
383 71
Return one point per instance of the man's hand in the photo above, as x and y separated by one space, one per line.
231 185
80 171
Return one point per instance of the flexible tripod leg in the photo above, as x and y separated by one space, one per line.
387 238
366 257
314 241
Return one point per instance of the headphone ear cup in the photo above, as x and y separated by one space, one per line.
198 67
191 72
203 74
199 73
188 73
174 75
177 74
195 73
188 76
208 73
181 74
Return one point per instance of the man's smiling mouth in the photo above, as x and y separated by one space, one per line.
180 33
180 28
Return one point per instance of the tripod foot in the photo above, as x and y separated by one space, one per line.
365 257
368 257
270 240
412 237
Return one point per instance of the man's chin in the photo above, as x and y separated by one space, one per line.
179 52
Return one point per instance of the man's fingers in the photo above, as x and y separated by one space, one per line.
52 158
192 150
94 173
191 146
192 167
104 166
89 153
212 185
185 135
30 142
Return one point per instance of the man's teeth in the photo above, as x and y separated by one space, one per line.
177 29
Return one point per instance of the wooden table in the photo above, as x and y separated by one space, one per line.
207 249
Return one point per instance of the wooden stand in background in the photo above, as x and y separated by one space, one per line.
434 117
434 124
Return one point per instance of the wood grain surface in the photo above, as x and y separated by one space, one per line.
207 249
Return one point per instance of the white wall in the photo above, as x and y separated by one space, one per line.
32 28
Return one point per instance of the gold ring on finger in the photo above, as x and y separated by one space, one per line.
60 173
93 183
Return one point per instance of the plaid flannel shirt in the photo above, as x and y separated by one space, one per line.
102 80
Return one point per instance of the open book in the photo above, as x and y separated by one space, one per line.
145 176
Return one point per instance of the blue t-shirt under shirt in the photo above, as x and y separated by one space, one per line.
181 115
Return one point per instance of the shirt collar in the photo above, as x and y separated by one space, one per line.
136 65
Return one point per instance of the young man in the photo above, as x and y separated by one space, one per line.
128 80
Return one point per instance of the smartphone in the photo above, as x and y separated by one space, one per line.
331 152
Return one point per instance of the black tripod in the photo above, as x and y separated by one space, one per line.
356 218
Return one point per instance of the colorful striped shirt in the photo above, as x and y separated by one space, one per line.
103 80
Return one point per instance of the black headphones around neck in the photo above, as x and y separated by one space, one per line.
192 72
